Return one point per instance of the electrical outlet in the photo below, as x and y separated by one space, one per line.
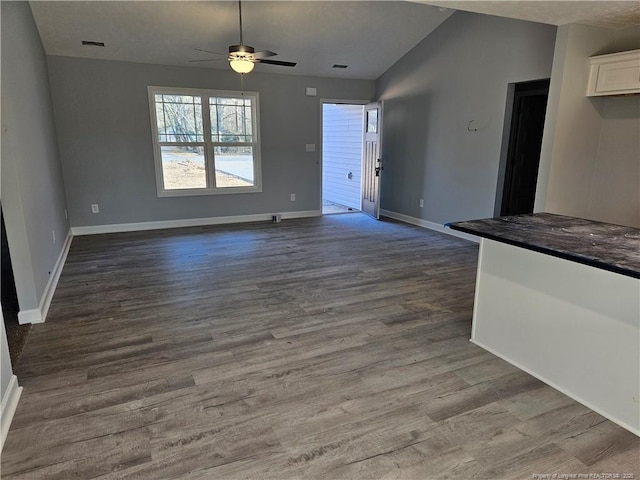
95 208
53 234
293 197
421 203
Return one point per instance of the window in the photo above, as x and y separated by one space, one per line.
205 141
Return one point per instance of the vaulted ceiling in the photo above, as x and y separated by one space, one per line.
368 37
597 13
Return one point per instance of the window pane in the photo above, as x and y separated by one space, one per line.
228 100
179 99
160 118
213 113
247 123
230 119
183 167
234 166
372 121
179 118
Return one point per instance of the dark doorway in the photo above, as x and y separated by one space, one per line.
525 142
16 333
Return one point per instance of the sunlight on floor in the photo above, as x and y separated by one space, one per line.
329 207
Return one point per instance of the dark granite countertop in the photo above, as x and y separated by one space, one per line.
615 248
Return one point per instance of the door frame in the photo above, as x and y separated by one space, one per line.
320 161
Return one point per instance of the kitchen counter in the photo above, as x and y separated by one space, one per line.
606 246
559 297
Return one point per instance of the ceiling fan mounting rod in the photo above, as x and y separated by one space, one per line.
240 18
241 50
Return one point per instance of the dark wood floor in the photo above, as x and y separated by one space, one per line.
332 348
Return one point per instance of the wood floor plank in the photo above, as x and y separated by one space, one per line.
85 398
97 456
599 443
325 348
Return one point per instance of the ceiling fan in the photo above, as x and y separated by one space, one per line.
241 57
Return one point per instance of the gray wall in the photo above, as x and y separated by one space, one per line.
459 73
590 161
104 132
33 198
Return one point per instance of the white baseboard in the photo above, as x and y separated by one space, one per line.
430 225
569 394
33 315
39 315
189 222
8 407
50 289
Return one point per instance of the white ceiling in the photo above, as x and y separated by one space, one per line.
608 13
369 37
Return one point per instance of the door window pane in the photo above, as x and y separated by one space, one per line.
183 167
234 166
372 121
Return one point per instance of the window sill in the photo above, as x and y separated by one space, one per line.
208 191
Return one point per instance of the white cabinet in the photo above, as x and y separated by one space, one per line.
614 74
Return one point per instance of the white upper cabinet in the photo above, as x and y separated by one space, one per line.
614 74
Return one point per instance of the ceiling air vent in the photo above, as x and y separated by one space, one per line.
337 65
93 44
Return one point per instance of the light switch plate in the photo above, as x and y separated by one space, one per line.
311 91
311 147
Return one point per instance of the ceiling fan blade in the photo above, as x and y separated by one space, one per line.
209 51
264 54
207 60
277 62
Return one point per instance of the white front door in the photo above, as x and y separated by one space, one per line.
371 161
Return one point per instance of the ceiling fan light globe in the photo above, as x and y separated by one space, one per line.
241 65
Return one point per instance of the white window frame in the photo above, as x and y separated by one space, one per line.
208 144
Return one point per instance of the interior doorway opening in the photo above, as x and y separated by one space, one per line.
524 125
342 134
16 333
